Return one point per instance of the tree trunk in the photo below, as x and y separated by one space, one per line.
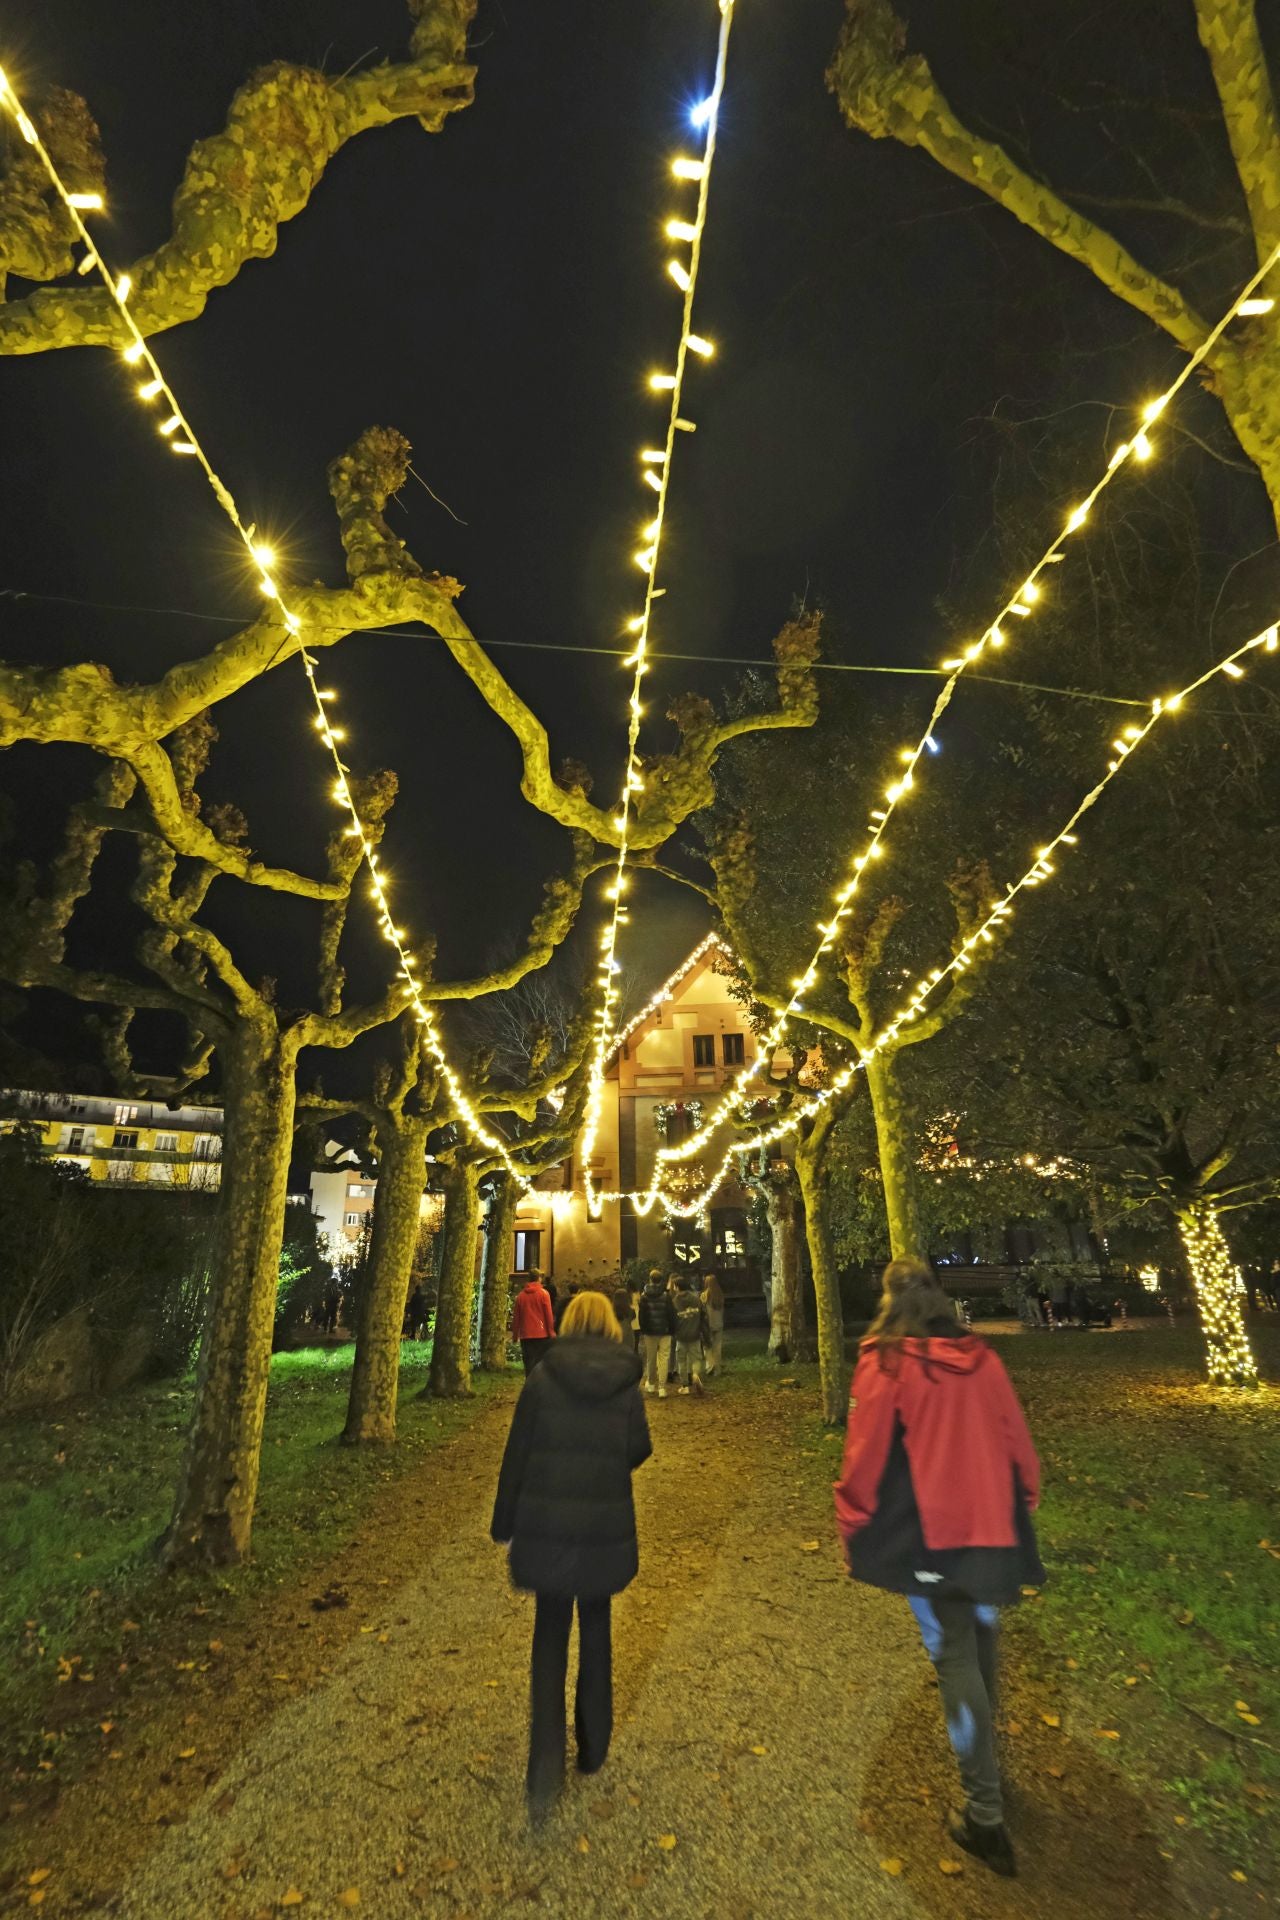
450 1376
1230 1357
495 1307
899 1165
375 1377
218 1484
811 1170
782 1206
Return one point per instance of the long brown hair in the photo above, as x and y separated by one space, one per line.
714 1293
911 1304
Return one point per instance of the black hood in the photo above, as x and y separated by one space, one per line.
592 1366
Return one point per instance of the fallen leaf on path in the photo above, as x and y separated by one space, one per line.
666 1841
893 1866
951 1866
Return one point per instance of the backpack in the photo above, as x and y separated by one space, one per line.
689 1319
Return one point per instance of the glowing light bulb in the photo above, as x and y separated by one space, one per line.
124 287
1142 446
653 480
696 344
171 425
133 353
683 169
1154 408
149 389
655 456
1248 309
702 112
1076 518
264 555
94 203
1234 669
680 230
662 382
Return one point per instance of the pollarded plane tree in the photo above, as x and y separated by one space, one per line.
887 91
181 966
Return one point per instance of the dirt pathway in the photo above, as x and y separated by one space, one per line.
777 1748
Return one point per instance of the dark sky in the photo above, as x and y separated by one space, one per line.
496 292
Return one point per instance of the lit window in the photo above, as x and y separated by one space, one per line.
166 1143
351 1219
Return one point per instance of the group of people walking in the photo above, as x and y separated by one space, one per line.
676 1322
934 1501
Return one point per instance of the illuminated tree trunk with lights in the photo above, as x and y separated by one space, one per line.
811 1171
1230 1357
899 1158
217 1488
375 1376
450 1376
779 1189
495 1310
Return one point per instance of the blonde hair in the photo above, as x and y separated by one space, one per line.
590 1312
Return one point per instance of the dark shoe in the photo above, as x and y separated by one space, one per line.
991 1845
541 1802
586 1764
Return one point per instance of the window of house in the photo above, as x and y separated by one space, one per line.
166 1143
729 1235
74 1138
355 1191
125 1114
734 1049
125 1138
207 1146
679 1126
704 1049
528 1249
351 1219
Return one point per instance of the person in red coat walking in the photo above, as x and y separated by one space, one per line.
533 1320
934 1501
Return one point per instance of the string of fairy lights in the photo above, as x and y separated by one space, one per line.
655 469
1230 1357
1020 605
1042 868
175 428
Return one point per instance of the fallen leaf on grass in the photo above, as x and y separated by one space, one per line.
893 1866
1186 1617
1052 1719
810 1546
291 1898
1237 1875
1107 1733
637 1879
1072 1665
34 1899
584 1845
1054 1772
349 1897
38 1876
1131 1679
666 1841
760 1750
1251 1719
951 1866
105 1726
188 1753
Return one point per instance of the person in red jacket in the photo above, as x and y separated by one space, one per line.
533 1320
934 1501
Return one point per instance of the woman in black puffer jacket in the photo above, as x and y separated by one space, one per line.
564 1503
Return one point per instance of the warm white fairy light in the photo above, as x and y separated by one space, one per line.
915 1003
656 472
181 438
1231 1361
1020 605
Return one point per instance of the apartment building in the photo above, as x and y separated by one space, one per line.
128 1142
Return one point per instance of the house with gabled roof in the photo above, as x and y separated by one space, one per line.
668 1071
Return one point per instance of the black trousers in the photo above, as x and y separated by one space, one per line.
593 1703
532 1351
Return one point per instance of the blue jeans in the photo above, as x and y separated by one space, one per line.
960 1638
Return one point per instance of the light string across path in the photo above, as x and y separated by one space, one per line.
1019 605
655 465
182 438
1041 869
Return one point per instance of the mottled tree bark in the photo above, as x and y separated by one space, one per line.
899 1168
213 1508
811 1171
782 1208
495 1308
450 1376
375 1376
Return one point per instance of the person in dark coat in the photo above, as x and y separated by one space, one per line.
934 1501
564 1503
623 1311
657 1317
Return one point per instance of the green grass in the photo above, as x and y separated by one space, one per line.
85 1492
1159 1494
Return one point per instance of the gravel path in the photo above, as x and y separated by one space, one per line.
776 1750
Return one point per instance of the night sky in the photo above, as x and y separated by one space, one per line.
496 292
